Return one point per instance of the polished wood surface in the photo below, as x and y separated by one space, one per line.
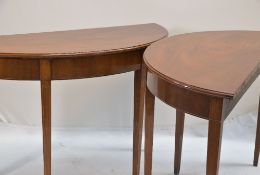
204 74
177 97
72 68
80 54
149 125
102 52
83 42
257 140
193 60
215 130
180 117
139 92
45 74
214 147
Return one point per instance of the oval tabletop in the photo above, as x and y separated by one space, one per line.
216 63
80 42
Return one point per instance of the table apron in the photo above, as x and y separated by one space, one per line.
72 67
197 104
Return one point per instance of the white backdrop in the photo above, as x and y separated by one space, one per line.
107 101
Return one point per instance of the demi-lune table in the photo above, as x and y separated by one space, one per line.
203 74
78 54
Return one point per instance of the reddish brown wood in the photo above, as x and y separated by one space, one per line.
96 66
45 74
230 103
235 53
79 54
214 146
214 136
204 74
180 117
149 125
76 68
177 97
139 92
257 141
17 69
83 42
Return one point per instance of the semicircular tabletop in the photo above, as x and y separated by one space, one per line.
80 42
216 63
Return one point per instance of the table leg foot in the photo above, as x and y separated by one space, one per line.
257 142
180 116
214 147
255 163
149 125
139 91
46 114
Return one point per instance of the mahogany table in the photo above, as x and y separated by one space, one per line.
202 74
80 54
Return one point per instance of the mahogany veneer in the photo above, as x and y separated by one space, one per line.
80 54
203 74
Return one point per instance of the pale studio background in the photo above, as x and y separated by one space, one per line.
107 102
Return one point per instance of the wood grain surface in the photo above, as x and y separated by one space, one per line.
80 54
80 42
218 63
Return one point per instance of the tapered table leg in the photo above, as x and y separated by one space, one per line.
149 126
45 74
214 147
257 142
180 116
139 92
